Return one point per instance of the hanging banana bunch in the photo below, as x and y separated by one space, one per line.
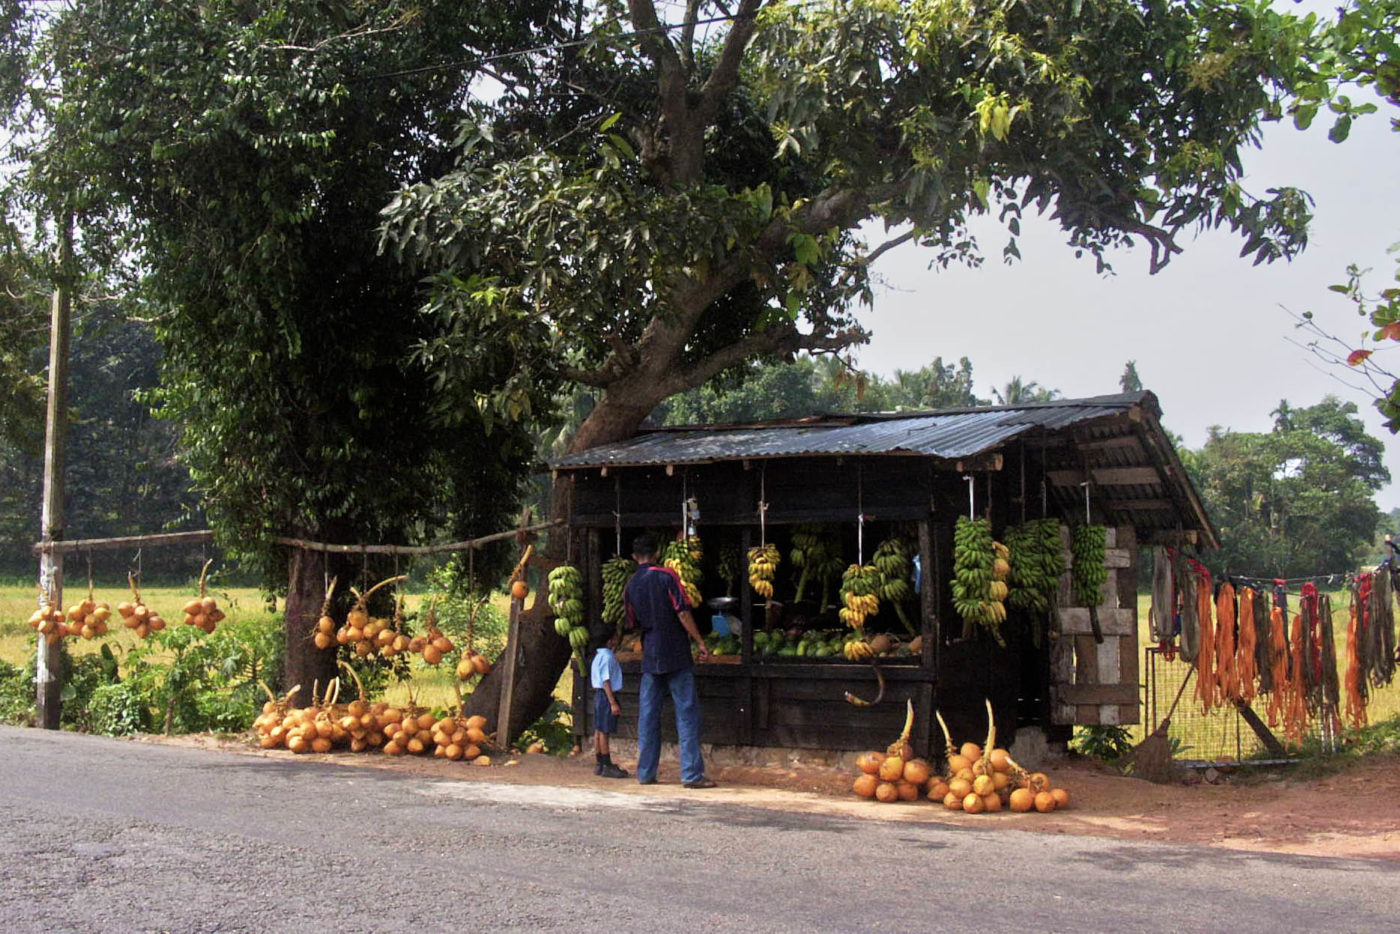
813 553
893 560
980 567
617 571
763 567
684 558
1088 548
566 600
1037 561
860 594
729 567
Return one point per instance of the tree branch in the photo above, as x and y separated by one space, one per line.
620 362
781 338
885 247
692 13
726 74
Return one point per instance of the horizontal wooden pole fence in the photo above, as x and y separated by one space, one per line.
206 535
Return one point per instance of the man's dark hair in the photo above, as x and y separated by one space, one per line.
644 546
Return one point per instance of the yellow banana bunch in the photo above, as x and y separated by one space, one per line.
858 650
860 589
684 558
763 567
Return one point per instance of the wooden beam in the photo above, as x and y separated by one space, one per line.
1106 476
1109 444
1137 505
982 462
1171 537
126 541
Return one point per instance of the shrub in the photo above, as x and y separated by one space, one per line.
16 695
118 710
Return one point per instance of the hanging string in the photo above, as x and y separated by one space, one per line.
89 564
1088 520
1023 482
617 510
860 514
971 496
763 505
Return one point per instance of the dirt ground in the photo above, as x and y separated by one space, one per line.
1354 813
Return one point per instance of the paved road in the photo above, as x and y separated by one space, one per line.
103 835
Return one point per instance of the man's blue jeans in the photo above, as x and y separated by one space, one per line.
681 686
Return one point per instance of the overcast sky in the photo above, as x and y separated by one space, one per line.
1209 333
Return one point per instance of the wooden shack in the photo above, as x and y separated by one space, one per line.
860 479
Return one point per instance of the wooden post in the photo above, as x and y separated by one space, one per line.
48 687
508 676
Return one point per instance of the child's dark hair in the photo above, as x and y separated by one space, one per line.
644 546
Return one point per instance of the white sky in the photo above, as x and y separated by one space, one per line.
1209 333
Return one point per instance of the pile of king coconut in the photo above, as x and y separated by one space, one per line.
976 779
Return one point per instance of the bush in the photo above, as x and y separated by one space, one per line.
554 729
118 710
211 683
1108 743
16 695
81 678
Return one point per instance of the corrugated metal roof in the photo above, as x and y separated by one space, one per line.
949 434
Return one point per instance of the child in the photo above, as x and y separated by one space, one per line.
606 677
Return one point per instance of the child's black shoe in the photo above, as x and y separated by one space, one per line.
612 771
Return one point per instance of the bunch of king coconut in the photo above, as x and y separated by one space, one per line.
893 775
986 779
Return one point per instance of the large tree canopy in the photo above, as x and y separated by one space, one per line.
1295 501
640 260
231 159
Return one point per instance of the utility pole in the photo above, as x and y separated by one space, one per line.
46 674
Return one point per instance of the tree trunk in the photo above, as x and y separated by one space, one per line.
543 655
306 665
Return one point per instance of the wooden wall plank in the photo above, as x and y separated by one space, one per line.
1095 694
1074 621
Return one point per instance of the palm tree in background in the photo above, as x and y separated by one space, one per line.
1018 392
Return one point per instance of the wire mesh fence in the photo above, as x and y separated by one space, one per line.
1223 734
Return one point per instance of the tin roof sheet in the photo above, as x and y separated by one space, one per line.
949 434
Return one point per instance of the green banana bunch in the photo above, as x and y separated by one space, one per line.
1037 561
729 566
893 560
617 571
566 600
860 592
812 552
684 558
763 567
1088 547
980 566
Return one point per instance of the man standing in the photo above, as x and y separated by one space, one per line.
656 604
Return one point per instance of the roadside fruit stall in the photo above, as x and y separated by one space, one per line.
843 567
